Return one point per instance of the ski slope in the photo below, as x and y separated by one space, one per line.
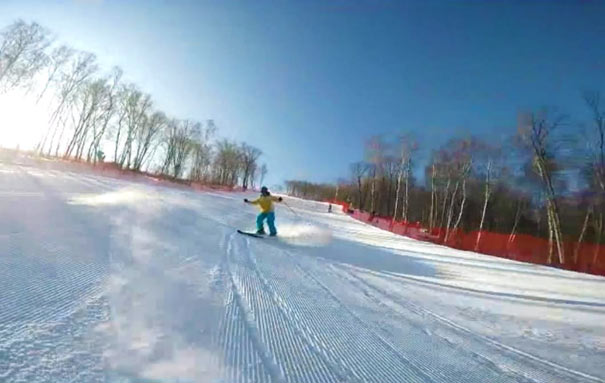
104 280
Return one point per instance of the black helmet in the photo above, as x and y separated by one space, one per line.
264 190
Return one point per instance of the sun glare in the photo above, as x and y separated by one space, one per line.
22 121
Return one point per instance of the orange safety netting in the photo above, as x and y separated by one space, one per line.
582 257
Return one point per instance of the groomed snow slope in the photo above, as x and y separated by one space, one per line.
103 280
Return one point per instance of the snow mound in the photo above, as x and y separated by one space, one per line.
305 235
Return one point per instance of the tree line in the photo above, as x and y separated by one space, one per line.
547 180
94 114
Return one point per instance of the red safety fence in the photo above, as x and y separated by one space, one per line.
583 257
113 170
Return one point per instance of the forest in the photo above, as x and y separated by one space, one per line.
546 180
97 116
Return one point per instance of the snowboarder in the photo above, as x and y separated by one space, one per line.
265 203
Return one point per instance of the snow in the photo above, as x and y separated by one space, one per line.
105 280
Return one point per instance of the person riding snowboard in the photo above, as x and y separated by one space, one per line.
265 203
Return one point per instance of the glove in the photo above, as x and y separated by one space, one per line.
280 199
246 200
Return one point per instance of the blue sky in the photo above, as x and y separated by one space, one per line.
309 81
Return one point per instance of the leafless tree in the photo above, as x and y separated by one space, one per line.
179 145
595 169
71 81
453 162
487 166
375 154
433 208
202 152
145 134
58 58
263 173
227 162
407 147
597 159
135 105
388 182
89 103
109 110
249 156
358 171
513 232
82 67
536 132
22 53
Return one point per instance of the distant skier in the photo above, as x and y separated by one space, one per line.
329 208
265 203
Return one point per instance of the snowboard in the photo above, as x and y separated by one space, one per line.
251 234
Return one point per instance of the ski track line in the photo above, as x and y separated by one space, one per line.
58 284
426 376
428 354
583 305
500 374
299 361
424 312
321 367
79 279
249 326
233 339
53 345
307 335
390 366
485 339
42 314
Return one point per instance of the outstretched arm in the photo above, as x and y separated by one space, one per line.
254 202
276 199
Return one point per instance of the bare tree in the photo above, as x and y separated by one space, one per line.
248 156
453 161
82 67
76 76
358 171
576 253
179 144
595 167
263 173
536 132
227 163
202 152
488 166
253 172
109 110
442 179
135 106
22 53
388 182
145 134
433 208
89 102
597 159
513 232
122 95
375 153
407 147
58 58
